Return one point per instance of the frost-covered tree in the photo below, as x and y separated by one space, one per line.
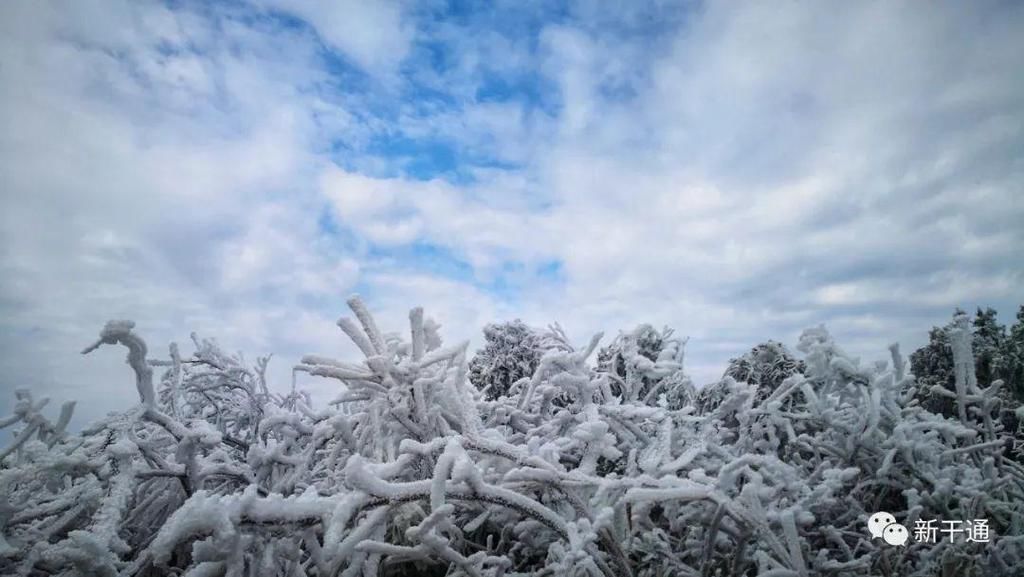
767 365
933 363
994 360
1012 357
988 340
511 352
645 340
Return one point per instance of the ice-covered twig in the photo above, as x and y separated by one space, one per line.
366 319
356 336
418 337
963 362
28 412
121 332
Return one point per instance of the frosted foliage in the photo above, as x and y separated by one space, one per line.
511 352
639 361
767 365
614 466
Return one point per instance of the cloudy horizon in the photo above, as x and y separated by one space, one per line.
736 171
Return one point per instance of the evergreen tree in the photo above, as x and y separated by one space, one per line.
988 346
1012 358
512 351
766 365
996 356
932 365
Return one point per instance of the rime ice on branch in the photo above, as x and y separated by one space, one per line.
121 332
614 468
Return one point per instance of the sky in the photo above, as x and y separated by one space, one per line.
738 171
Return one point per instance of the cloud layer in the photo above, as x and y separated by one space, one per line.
735 170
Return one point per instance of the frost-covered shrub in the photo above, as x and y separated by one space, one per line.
644 341
644 364
577 470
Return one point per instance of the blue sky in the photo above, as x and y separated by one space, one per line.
738 171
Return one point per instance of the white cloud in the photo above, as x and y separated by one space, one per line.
174 190
740 173
395 211
372 34
357 196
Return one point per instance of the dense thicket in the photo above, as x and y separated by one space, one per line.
613 468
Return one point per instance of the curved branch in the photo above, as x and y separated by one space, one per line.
115 332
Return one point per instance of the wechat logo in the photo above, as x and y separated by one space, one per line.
883 526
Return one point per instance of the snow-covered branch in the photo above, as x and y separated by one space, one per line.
533 459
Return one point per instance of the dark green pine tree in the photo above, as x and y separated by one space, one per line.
1012 369
932 365
996 356
988 346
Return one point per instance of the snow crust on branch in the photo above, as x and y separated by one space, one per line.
120 332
